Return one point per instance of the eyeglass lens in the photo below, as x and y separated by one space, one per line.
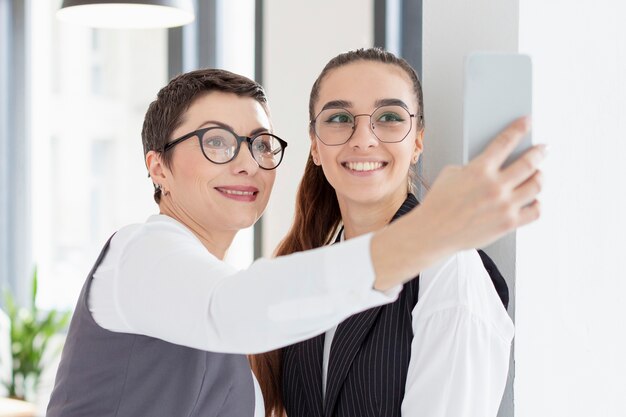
389 124
220 146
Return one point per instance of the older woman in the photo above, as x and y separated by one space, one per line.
162 320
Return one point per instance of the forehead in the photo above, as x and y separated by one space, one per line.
364 82
243 114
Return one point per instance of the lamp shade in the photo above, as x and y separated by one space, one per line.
127 14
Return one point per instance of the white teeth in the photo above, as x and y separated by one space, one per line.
235 192
364 166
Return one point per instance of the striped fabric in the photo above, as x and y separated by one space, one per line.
368 364
369 357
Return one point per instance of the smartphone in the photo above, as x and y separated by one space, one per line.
497 90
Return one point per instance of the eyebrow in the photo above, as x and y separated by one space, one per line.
344 104
337 104
391 102
229 127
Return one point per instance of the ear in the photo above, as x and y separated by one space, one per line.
157 170
419 145
314 150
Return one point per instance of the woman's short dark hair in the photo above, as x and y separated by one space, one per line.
166 113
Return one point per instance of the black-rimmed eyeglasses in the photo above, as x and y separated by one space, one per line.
220 146
335 126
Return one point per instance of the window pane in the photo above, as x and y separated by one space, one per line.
90 90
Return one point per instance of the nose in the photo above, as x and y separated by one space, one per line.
363 135
244 163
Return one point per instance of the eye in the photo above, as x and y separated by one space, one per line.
266 146
389 117
262 146
216 142
342 117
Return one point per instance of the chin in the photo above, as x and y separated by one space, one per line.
244 222
370 195
366 197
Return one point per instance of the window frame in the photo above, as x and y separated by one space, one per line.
15 188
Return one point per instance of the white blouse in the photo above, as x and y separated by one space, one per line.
158 280
461 343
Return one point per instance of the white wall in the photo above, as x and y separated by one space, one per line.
571 312
453 28
299 38
570 299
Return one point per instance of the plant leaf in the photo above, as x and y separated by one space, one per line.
34 294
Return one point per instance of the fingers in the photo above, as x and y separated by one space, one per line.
525 166
529 213
527 192
501 147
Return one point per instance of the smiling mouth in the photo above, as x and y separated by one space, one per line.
237 192
364 166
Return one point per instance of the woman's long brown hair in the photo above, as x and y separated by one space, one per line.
317 216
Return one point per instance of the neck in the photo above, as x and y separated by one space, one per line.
360 218
216 242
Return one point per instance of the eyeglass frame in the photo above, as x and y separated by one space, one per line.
354 116
240 139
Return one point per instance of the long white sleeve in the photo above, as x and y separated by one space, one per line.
158 280
461 345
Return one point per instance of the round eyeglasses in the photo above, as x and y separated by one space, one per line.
221 145
335 126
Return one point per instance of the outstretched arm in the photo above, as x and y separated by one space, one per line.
467 207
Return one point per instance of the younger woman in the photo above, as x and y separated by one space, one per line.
442 348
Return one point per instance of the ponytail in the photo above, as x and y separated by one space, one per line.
316 220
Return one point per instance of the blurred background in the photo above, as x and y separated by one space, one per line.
72 101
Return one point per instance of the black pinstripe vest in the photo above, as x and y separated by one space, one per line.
369 358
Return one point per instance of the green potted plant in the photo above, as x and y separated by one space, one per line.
31 330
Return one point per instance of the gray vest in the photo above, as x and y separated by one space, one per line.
104 373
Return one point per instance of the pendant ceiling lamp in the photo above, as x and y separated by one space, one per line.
127 14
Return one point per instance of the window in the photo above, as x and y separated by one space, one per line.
90 90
